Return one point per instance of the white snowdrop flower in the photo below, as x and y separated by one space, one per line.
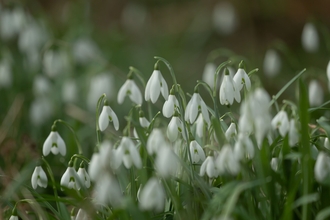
208 167
143 121
107 191
39 178
195 105
32 38
229 90
293 133
11 22
100 161
85 51
166 162
13 217
54 143
5 74
174 128
156 85
70 91
156 141
100 84
322 166
224 17
55 63
200 125
70 179
170 105
281 122
131 90
310 38
128 154
41 85
231 131
41 110
227 161
107 115
152 196
326 143
315 93
243 147
272 63
241 78
84 177
274 163
208 74
196 152
82 215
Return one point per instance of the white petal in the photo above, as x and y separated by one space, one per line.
155 86
61 145
194 108
104 119
123 91
115 120
66 178
172 129
164 88
168 107
135 95
34 178
47 145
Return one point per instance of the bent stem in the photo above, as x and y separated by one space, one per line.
98 139
74 134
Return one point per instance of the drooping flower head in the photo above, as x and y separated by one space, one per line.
107 115
156 85
131 90
310 38
152 196
241 78
229 90
54 143
128 154
39 178
70 178
170 105
195 105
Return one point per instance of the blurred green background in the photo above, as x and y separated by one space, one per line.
62 55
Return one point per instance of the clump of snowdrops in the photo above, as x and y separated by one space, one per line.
190 160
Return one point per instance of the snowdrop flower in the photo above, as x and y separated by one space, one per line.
195 104
131 90
143 121
326 143
281 122
227 161
11 22
13 217
208 74
55 63
70 178
84 177
231 131
54 143
100 84
170 105
310 38
209 168
272 63
155 141
174 128
5 74
225 20
274 163
31 38
229 90
156 85
107 115
128 154
41 110
241 78
322 166
293 133
39 178
196 152
41 85
107 191
166 162
315 93
152 196
243 147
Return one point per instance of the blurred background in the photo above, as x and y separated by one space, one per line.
58 57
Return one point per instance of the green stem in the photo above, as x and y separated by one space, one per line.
80 157
98 132
51 175
74 134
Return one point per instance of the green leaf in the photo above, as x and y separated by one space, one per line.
305 200
323 214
